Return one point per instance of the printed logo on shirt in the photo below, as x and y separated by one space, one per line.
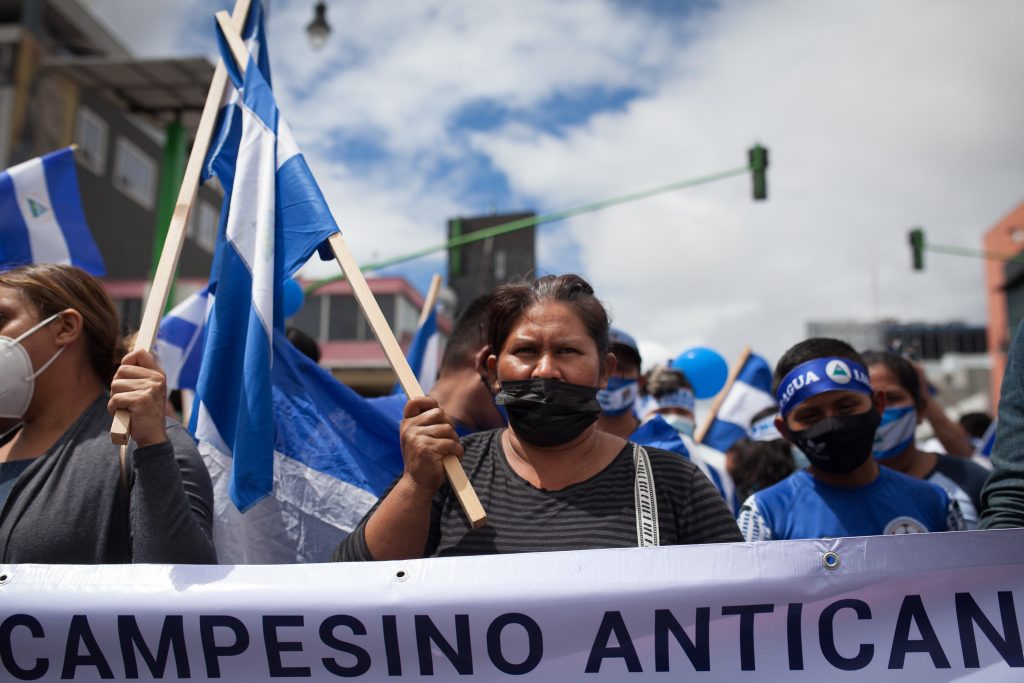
838 372
904 525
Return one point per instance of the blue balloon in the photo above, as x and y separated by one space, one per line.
293 297
705 368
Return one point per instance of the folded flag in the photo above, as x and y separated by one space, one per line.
41 217
179 341
749 394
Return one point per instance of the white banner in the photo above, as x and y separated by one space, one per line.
928 607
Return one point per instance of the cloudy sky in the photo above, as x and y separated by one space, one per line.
879 116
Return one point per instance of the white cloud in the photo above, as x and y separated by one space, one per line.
879 116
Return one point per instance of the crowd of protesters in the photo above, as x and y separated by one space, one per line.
567 443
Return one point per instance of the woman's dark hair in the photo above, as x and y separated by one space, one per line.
661 380
51 288
901 369
511 300
756 465
809 349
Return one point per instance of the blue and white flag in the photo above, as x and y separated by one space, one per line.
41 217
286 445
179 341
424 354
749 394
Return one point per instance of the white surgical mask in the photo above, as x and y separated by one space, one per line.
17 381
681 423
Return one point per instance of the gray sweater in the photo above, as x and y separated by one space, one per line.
70 507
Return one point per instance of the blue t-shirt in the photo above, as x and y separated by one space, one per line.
800 506
657 433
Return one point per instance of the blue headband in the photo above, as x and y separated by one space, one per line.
764 430
680 398
818 376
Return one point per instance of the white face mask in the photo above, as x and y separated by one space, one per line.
17 381
681 423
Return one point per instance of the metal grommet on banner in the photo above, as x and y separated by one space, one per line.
5 578
401 575
830 560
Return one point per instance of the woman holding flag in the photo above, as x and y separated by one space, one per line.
67 494
551 480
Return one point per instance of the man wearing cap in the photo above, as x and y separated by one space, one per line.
620 398
828 409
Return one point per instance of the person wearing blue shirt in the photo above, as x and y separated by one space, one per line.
829 410
620 398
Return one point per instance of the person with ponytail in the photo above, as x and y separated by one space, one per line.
67 494
551 480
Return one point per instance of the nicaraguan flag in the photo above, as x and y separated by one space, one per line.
750 394
424 353
41 217
984 448
299 454
179 341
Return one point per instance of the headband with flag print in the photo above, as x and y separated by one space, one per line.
818 376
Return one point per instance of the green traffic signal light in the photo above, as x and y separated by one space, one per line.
758 157
917 248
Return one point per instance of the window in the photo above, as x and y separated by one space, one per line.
134 173
91 137
344 317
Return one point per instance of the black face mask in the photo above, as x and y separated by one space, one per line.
546 412
839 444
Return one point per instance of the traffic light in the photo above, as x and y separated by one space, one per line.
758 165
917 248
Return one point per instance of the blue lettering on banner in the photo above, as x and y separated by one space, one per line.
535 644
212 652
35 630
362 657
698 650
80 634
159 641
275 647
1008 645
460 656
172 639
747 614
389 622
612 623
794 641
912 612
827 637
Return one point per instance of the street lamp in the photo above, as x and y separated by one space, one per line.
318 29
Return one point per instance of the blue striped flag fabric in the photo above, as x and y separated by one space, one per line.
749 394
41 217
296 457
179 341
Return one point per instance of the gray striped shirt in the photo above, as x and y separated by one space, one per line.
596 513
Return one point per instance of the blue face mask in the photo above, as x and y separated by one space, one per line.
620 395
895 434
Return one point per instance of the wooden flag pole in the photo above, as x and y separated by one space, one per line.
471 506
431 300
717 405
156 303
